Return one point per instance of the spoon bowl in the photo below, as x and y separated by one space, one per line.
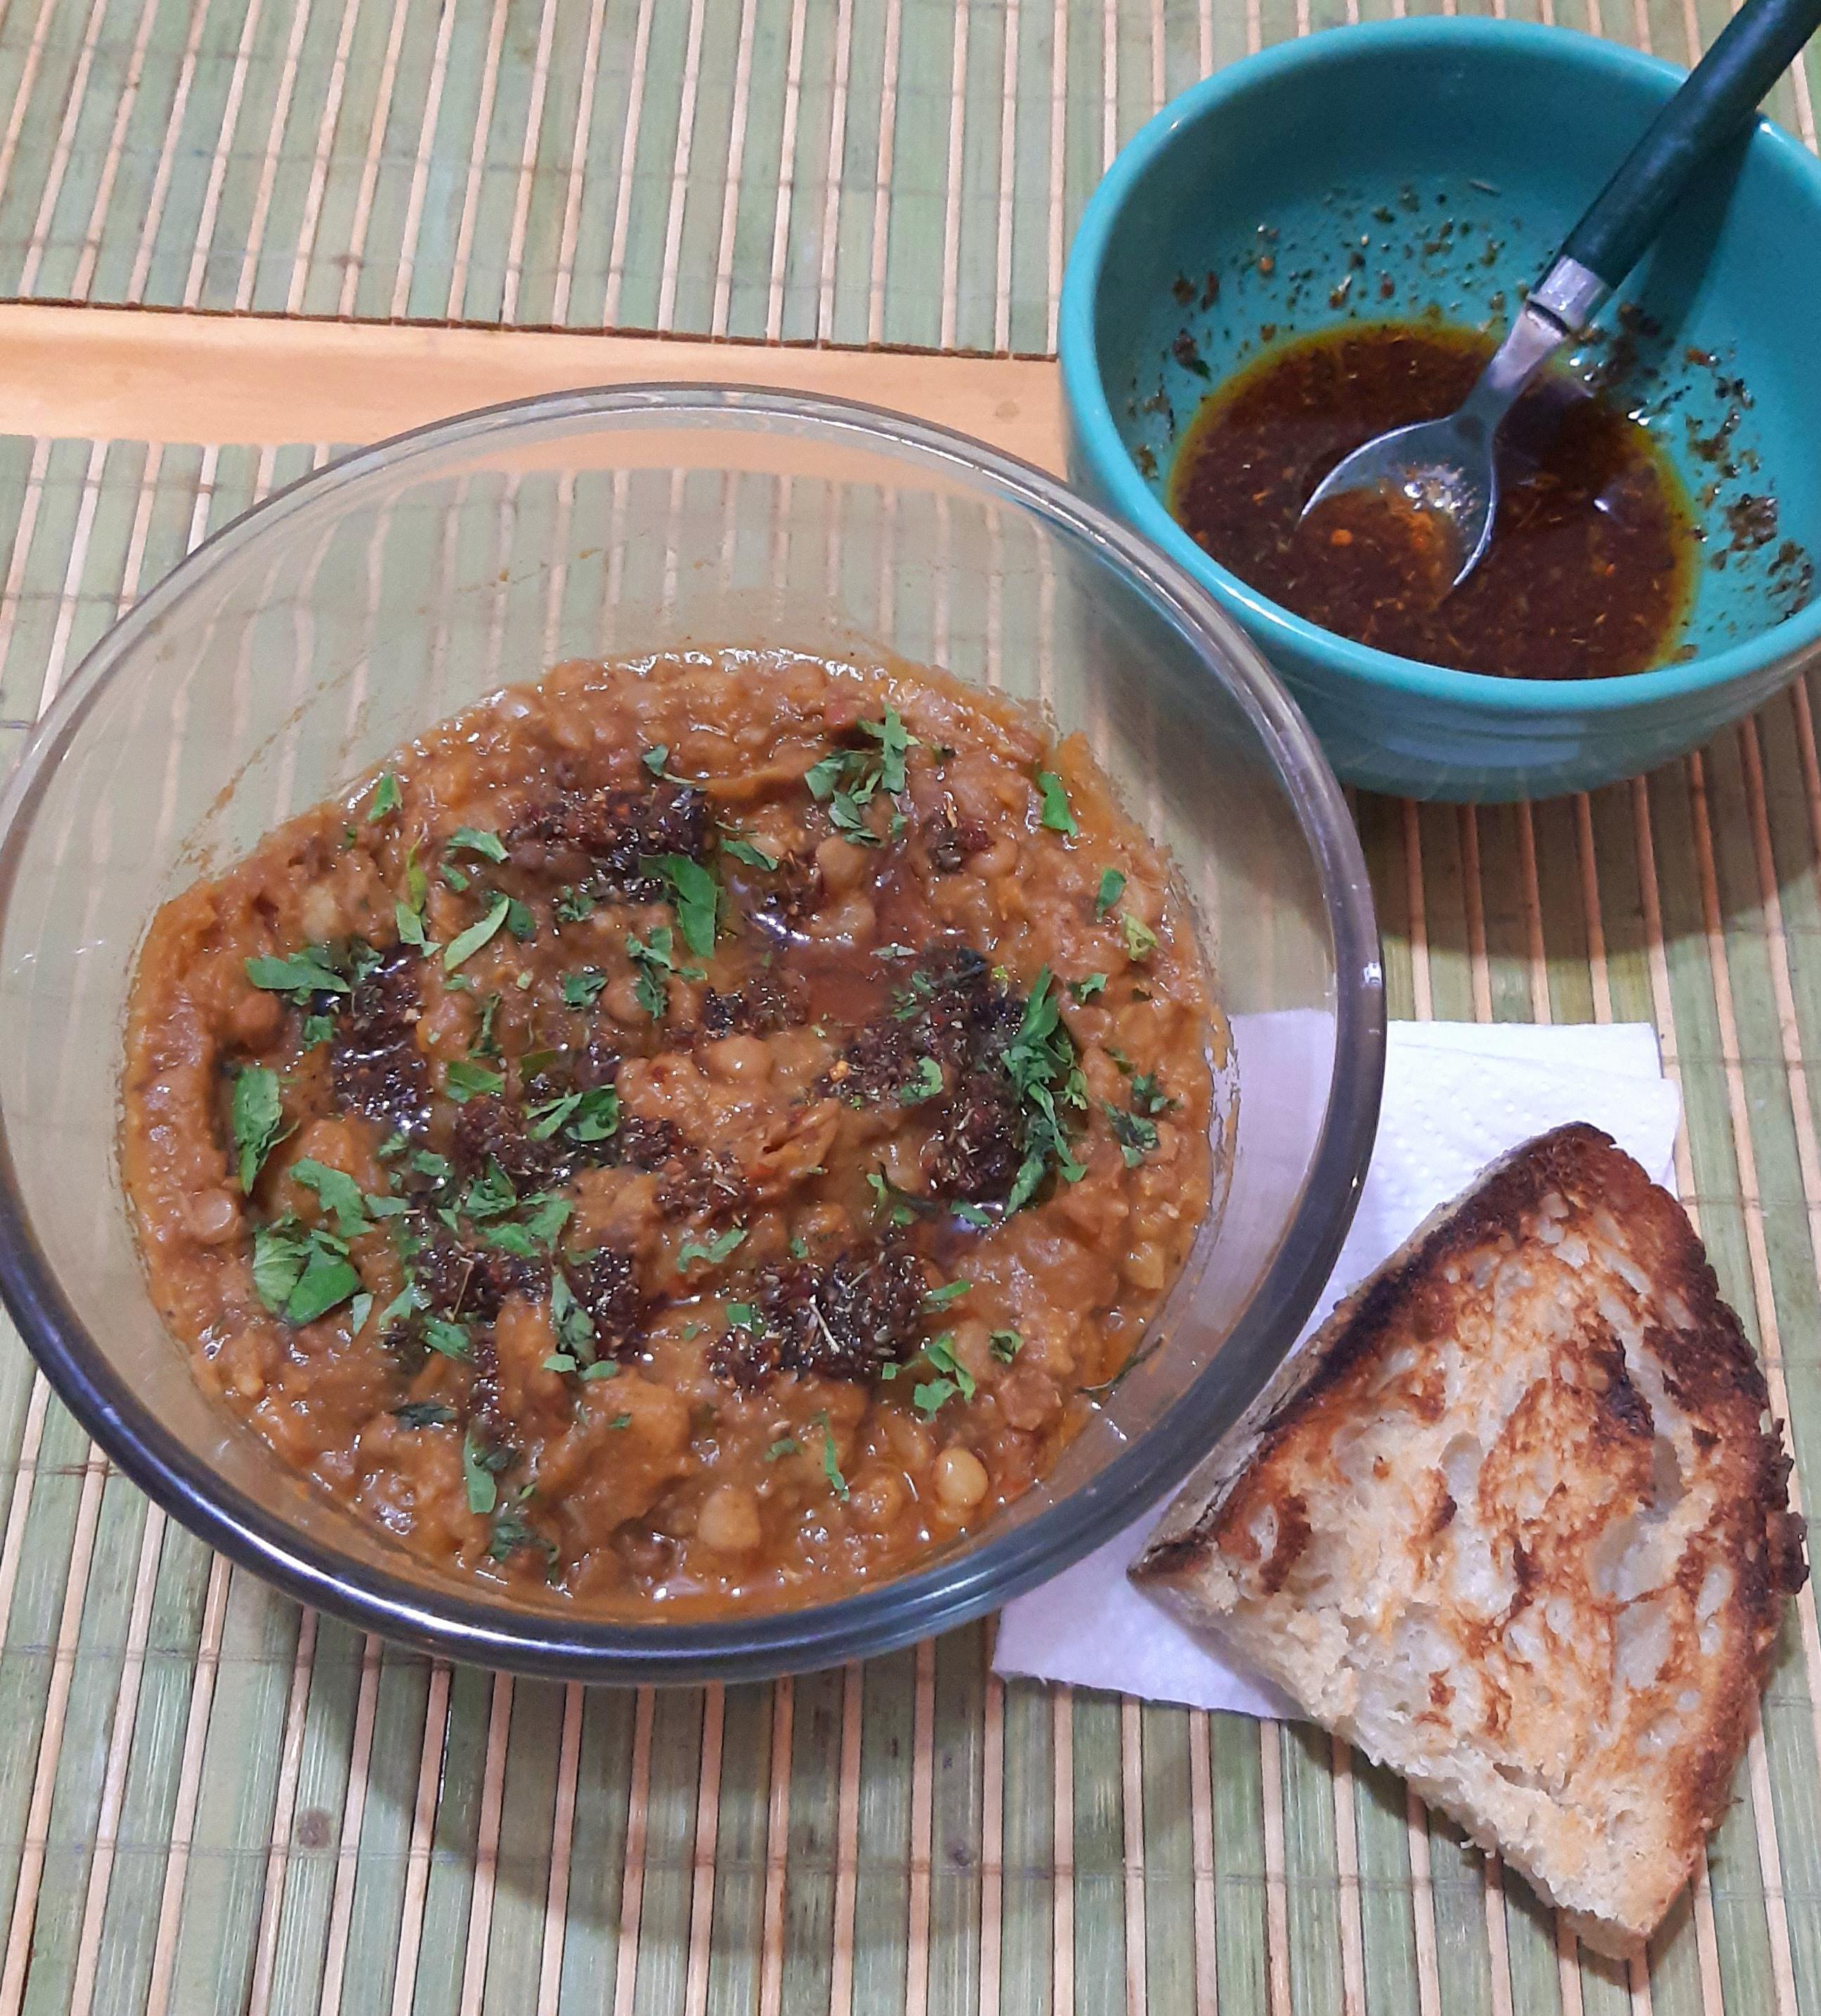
1445 472
1435 471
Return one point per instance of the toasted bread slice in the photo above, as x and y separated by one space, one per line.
1515 1521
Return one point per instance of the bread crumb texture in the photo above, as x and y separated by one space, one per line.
1517 1524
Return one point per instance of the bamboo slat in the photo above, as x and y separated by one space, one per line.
208 1801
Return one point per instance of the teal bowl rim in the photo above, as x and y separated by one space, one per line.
1126 494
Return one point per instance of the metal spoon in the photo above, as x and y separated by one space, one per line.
1450 466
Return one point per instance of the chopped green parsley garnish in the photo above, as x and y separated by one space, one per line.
467 943
843 782
545 1221
929 1396
387 797
1136 1135
1041 1063
654 961
785 1445
490 1196
583 989
830 1467
1056 815
538 1233
899 1205
462 1079
402 1304
714 1252
584 1116
1086 988
337 1192
894 740
1005 1344
924 1083
258 1113
1140 940
481 1468
698 899
302 1275
653 966
449 1339
472 840
1113 886
300 974
484 1044
278 1256
1149 1096
907 1001
511 1534
574 1327
411 930
317 1029
939 1298
748 852
847 780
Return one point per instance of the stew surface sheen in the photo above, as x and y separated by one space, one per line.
686 1131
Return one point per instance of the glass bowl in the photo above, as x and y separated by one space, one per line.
379 596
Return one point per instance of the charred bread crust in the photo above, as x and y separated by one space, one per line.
1711 1369
1707 1371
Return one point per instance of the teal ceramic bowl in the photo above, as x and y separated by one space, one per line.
1423 166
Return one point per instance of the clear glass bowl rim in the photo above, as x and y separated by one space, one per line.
948 1592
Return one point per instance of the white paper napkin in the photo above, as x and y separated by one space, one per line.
1457 1094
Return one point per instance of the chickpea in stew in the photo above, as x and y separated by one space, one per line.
685 1131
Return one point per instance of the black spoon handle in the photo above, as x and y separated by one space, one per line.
1717 101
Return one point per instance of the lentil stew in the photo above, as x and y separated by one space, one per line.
687 1131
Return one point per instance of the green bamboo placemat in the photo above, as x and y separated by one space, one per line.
209 1800
903 172
212 1801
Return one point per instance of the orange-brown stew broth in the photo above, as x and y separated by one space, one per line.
664 1305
